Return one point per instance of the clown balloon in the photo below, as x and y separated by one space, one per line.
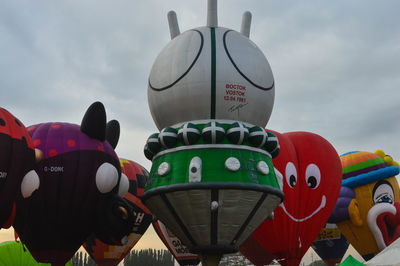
368 209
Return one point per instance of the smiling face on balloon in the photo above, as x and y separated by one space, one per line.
311 172
308 177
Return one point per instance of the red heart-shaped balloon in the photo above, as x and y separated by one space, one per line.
312 172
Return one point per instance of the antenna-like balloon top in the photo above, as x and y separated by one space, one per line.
173 24
212 16
246 23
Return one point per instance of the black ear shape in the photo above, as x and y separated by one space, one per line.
112 133
94 122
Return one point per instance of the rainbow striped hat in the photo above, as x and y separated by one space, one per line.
361 167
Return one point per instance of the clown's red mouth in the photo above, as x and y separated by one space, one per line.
389 225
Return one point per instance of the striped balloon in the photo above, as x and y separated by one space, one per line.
360 167
213 132
237 133
360 162
168 137
189 134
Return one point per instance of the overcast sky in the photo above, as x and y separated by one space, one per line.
336 63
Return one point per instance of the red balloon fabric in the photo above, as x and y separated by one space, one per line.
311 171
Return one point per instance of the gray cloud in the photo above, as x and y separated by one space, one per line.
335 63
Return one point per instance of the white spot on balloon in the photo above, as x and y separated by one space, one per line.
232 164
30 183
214 205
106 177
163 169
195 169
263 168
123 185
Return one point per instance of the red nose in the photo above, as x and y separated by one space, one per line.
389 224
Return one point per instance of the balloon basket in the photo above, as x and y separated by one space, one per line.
208 259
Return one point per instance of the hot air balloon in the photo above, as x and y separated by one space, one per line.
330 245
368 209
212 181
17 159
180 252
110 255
311 172
75 190
15 253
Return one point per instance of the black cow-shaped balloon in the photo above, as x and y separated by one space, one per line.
78 192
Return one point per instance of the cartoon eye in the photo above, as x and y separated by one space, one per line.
106 177
123 185
383 193
313 176
291 174
195 169
30 183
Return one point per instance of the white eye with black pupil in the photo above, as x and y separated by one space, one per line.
195 169
383 193
291 174
313 176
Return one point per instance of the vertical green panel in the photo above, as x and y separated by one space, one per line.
213 72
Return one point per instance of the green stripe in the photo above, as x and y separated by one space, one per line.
362 165
213 73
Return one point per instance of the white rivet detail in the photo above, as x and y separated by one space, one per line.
263 168
163 169
214 205
232 164
124 240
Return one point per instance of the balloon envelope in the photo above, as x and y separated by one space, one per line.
368 209
330 245
212 196
110 255
180 252
17 158
73 193
311 181
14 253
